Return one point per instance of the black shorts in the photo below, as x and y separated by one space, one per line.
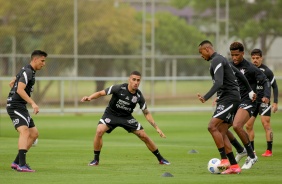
249 106
20 117
226 111
262 109
129 123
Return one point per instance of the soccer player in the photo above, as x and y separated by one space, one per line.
228 99
246 107
263 109
118 113
19 96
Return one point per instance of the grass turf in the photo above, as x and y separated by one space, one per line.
65 148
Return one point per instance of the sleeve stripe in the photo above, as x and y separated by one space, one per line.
272 80
217 67
110 89
144 106
25 78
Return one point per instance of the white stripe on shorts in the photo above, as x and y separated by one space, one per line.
19 114
227 109
139 126
102 121
265 110
249 106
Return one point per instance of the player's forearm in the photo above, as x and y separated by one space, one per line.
97 95
275 92
150 118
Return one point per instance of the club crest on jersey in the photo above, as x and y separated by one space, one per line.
242 71
134 99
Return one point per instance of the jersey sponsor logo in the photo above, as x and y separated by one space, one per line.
134 99
262 69
127 98
16 121
259 87
121 104
107 120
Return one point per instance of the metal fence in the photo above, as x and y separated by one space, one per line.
96 43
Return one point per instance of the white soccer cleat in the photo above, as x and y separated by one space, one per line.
239 156
250 162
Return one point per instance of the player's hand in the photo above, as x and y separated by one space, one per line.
265 100
161 133
12 82
214 102
201 98
35 108
252 96
274 107
85 98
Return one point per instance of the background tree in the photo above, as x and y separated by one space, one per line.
175 37
253 22
113 32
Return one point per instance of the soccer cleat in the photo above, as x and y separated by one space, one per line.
250 162
239 156
94 162
224 164
233 169
25 168
14 166
164 162
267 153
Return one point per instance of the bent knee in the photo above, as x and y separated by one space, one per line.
237 128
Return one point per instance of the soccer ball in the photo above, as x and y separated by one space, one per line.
212 166
35 142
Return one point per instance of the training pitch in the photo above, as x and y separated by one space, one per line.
65 147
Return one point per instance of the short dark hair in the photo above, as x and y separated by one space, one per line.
135 73
256 52
205 42
237 46
38 53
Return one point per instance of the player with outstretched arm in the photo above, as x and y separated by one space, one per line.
118 113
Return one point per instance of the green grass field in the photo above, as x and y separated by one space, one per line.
65 148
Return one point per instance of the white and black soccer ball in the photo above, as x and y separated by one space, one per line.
35 142
212 166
